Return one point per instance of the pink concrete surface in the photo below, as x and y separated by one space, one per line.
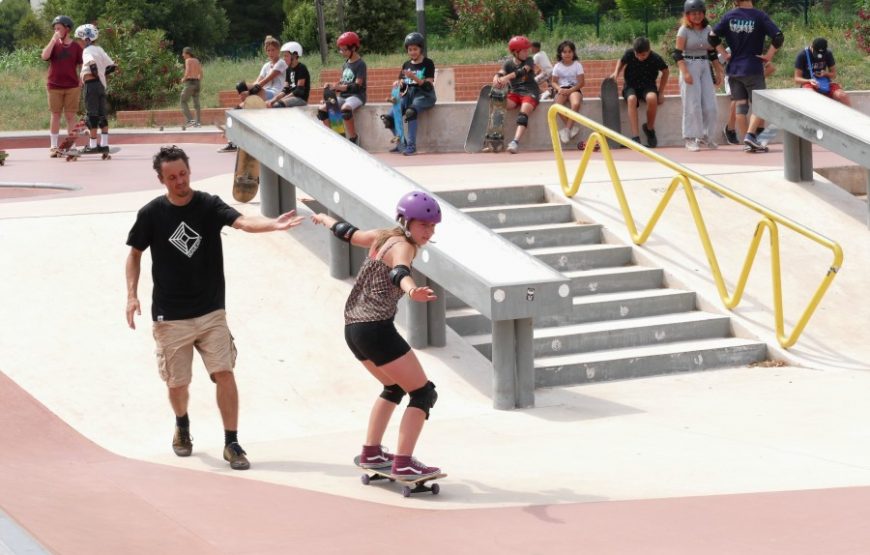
76 498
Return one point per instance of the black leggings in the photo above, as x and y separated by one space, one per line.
378 341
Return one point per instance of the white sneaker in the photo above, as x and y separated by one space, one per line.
513 147
693 145
575 130
563 135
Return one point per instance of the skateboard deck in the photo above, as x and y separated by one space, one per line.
75 153
493 140
479 122
396 95
69 142
333 108
246 180
610 108
408 486
3 156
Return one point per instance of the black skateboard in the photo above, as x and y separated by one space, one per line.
610 108
408 486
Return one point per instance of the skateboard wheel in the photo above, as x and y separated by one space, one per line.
435 489
365 479
406 491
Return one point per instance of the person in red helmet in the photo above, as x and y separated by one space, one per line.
519 72
384 279
351 86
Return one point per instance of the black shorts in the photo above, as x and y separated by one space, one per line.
742 86
640 93
378 341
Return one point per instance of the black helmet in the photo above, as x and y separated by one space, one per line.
414 38
694 6
63 20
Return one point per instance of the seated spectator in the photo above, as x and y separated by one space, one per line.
816 69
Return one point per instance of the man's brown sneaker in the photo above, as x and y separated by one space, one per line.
182 443
235 455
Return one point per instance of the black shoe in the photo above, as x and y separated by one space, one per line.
354 140
752 141
651 139
235 455
229 147
182 442
730 135
92 150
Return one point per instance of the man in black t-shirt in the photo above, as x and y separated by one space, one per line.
298 80
183 230
815 65
642 67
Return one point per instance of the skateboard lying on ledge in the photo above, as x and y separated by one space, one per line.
408 486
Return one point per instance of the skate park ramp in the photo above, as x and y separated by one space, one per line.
765 459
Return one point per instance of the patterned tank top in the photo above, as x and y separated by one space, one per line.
373 297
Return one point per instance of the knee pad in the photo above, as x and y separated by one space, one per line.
93 122
389 121
523 120
410 114
346 114
393 393
424 398
322 115
241 87
104 122
742 108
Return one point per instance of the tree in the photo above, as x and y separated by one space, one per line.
81 11
11 12
381 24
252 20
31 32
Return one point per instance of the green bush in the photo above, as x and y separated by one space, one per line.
301 26
21 58
640 9
379 23
150 74
480 21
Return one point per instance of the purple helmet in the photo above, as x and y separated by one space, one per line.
418 205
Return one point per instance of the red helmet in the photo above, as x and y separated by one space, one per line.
518 43
348 39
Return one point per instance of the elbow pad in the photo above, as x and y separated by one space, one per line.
778 40
712 55
714 40
256 89
398 273
521 72
678 55
111 69
94 70
343 231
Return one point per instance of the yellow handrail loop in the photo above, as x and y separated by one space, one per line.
769 220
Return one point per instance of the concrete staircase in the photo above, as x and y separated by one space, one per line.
624 321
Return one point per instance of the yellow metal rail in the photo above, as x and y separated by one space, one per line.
769 220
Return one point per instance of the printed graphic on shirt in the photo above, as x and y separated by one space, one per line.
185 239
741 25
347 76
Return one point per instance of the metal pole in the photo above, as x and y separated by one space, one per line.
421 23
523 328
504 365
270 198
437 316
286 195
321 30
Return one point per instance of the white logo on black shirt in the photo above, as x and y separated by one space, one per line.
185 239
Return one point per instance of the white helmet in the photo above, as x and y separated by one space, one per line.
293 47
87 32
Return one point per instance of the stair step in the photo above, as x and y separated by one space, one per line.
520 214
468 321
583 257
478 198
552 235
636 362
614 334
622 305
613 280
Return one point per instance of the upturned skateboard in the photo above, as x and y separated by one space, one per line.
333 109
69 142
493 140
394 120
75 153
477 130
246 180
3 156
610 108
408 486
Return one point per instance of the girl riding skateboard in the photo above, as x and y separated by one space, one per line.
384 279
